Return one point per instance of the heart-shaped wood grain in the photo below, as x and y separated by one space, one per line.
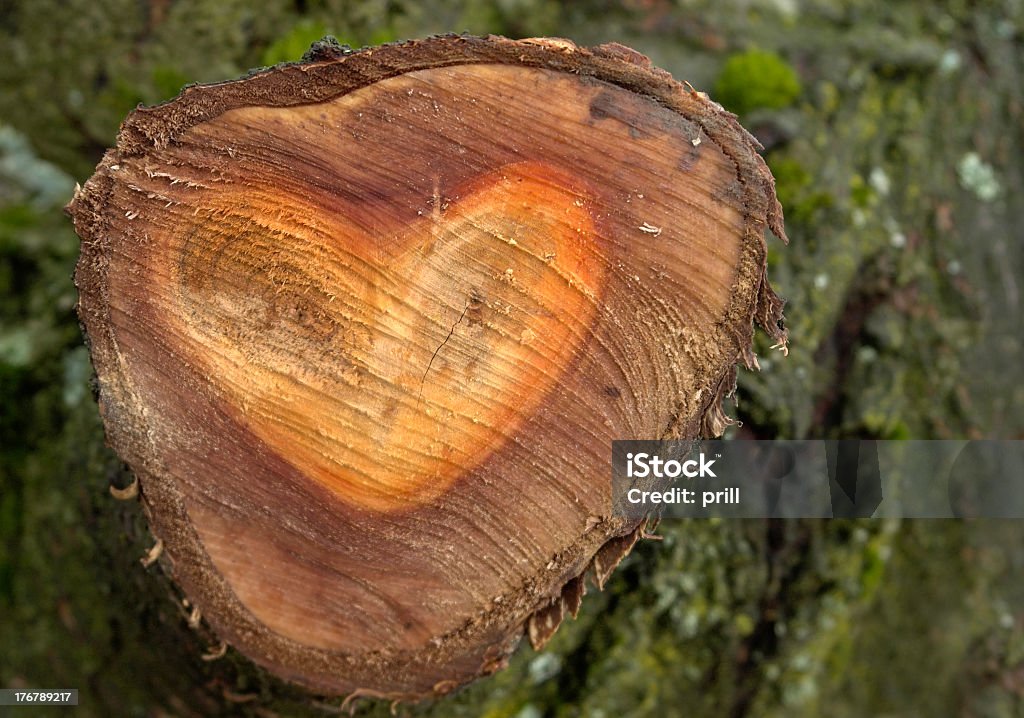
386 370
366 326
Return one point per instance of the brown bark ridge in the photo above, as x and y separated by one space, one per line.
365 326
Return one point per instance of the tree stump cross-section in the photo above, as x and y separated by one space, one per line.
365 327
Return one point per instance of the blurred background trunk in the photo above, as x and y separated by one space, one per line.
895 131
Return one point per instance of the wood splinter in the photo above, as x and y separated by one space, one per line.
153 554
216 653
128 493
365 327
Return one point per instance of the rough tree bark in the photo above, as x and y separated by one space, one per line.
365 326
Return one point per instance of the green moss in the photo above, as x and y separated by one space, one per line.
168 81
293 44
861 194
796 191
756 79
791 179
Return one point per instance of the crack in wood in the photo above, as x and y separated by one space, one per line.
451 331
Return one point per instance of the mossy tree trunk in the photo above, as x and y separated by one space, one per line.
898 166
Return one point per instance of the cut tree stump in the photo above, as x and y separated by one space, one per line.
365 327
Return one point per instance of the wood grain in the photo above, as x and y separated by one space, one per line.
366 326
